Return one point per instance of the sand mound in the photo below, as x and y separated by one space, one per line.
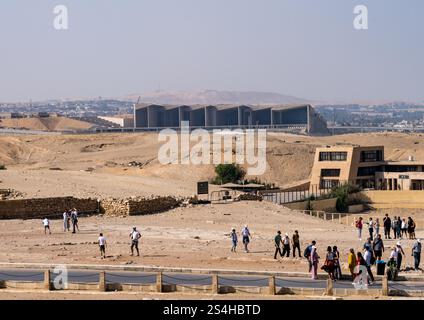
46 124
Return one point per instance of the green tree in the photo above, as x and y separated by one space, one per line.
226 173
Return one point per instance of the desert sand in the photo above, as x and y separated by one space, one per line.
192 237
98 165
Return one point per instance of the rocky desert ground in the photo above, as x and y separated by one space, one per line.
123 165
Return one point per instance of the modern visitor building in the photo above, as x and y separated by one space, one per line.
366 168
230 116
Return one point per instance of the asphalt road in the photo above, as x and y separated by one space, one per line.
125 277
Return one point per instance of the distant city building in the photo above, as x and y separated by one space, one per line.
366 168
205 116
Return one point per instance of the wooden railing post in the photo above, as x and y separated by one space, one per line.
215 289
102 281
329 289
47 279
385 286
272 285
159 282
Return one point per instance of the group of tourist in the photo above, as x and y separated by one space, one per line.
135 236
286 244
401 227
68 217
245 233
371 254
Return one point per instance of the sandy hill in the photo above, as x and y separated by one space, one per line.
46 124
100 164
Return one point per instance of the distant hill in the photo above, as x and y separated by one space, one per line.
215 97
46 124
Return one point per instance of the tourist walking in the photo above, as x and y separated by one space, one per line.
359 225
411 228
74 218
296 243
398 228
68 220
351 263
135 236
378 247
403 228
234 240
102 245
278 241
416 253
314 258
46 224
65 221
329 263
246 237
307 254
394 226
371 228
387 223
368 244
376 227
400 252
368 257
337 268
286 246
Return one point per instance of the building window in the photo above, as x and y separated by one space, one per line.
330 172
401 168
367 171
372 156
332 156
328 184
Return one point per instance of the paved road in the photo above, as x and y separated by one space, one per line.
75 276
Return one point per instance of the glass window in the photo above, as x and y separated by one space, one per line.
330 172
332 156
371 155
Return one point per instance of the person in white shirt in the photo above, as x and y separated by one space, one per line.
46 224
371 228
286 246
134 235
102 245
246 237
65 221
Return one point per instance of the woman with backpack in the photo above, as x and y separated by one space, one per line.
313 257
329 263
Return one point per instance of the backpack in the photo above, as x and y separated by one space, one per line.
307 252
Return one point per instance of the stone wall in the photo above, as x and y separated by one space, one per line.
114 207
139 206
152 205
45 207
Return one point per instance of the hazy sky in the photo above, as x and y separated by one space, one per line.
306 48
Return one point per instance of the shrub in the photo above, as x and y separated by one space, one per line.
342 194
2 167
226 173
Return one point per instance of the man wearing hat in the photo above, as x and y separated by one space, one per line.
416 253
278 241
286 245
